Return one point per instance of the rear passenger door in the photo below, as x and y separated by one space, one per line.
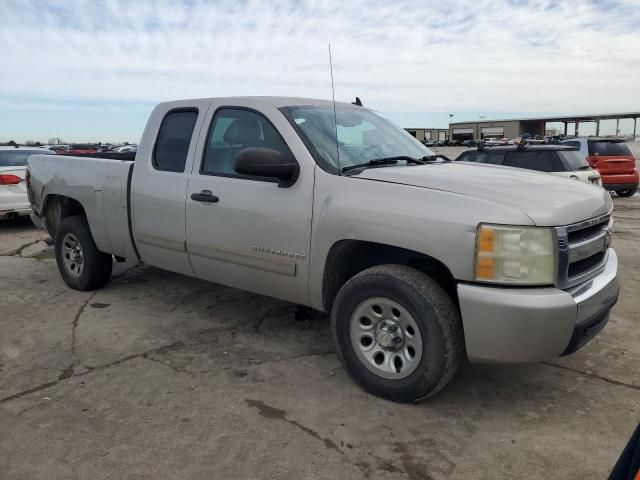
159 184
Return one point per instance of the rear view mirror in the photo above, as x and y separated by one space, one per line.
266 162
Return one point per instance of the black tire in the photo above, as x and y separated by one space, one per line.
435 314
629 192
97 265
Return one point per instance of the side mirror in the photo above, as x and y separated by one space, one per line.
265 162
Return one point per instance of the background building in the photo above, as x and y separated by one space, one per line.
424 134
568 125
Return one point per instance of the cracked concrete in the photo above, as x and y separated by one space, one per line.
162 376
18 234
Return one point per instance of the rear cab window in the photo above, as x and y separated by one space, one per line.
174 139
609 148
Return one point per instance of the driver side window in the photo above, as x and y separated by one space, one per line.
233 130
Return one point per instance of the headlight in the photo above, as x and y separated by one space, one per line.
515 255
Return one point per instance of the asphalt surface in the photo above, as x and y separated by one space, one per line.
162 376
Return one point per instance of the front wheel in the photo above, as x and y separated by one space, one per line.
81 265
397 333
629 192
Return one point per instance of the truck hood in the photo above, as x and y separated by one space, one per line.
547 199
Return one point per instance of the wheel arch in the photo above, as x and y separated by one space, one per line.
56 208
347 258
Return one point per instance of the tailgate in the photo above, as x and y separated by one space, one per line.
613 165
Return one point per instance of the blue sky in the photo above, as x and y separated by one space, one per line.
92 70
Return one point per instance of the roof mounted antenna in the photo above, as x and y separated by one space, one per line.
335 117
358 102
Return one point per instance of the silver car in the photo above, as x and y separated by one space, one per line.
13 189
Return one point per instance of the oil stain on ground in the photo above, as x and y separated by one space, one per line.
273 413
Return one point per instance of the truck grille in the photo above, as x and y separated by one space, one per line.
582 250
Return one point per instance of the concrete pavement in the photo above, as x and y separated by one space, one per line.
162 376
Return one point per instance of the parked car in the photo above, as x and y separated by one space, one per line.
79 149
560 160
127 149
59 148
106 148
13 191
613 159
266 195
491 142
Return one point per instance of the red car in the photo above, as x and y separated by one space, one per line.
79 149
612 158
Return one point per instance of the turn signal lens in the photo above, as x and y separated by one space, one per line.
485 240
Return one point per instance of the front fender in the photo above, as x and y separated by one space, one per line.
435 223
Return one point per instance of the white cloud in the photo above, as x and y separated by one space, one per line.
568 56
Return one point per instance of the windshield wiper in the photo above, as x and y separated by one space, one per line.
384 161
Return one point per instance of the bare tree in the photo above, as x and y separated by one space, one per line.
54 141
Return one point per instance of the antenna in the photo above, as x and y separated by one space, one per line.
335 117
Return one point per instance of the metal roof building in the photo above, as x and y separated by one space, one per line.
512 128
424 134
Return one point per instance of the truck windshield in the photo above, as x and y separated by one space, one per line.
362 135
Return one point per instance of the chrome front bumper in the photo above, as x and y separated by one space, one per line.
511 325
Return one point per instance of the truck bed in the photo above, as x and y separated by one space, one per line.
100 185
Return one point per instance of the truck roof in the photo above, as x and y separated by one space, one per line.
267 100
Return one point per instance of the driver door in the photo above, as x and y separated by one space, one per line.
243 231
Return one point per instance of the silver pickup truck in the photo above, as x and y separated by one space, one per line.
420 262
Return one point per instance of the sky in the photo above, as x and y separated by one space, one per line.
92 70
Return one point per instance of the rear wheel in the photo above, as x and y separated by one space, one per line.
397 333
81 265
629 192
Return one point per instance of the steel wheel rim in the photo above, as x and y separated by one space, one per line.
72 255
387 353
